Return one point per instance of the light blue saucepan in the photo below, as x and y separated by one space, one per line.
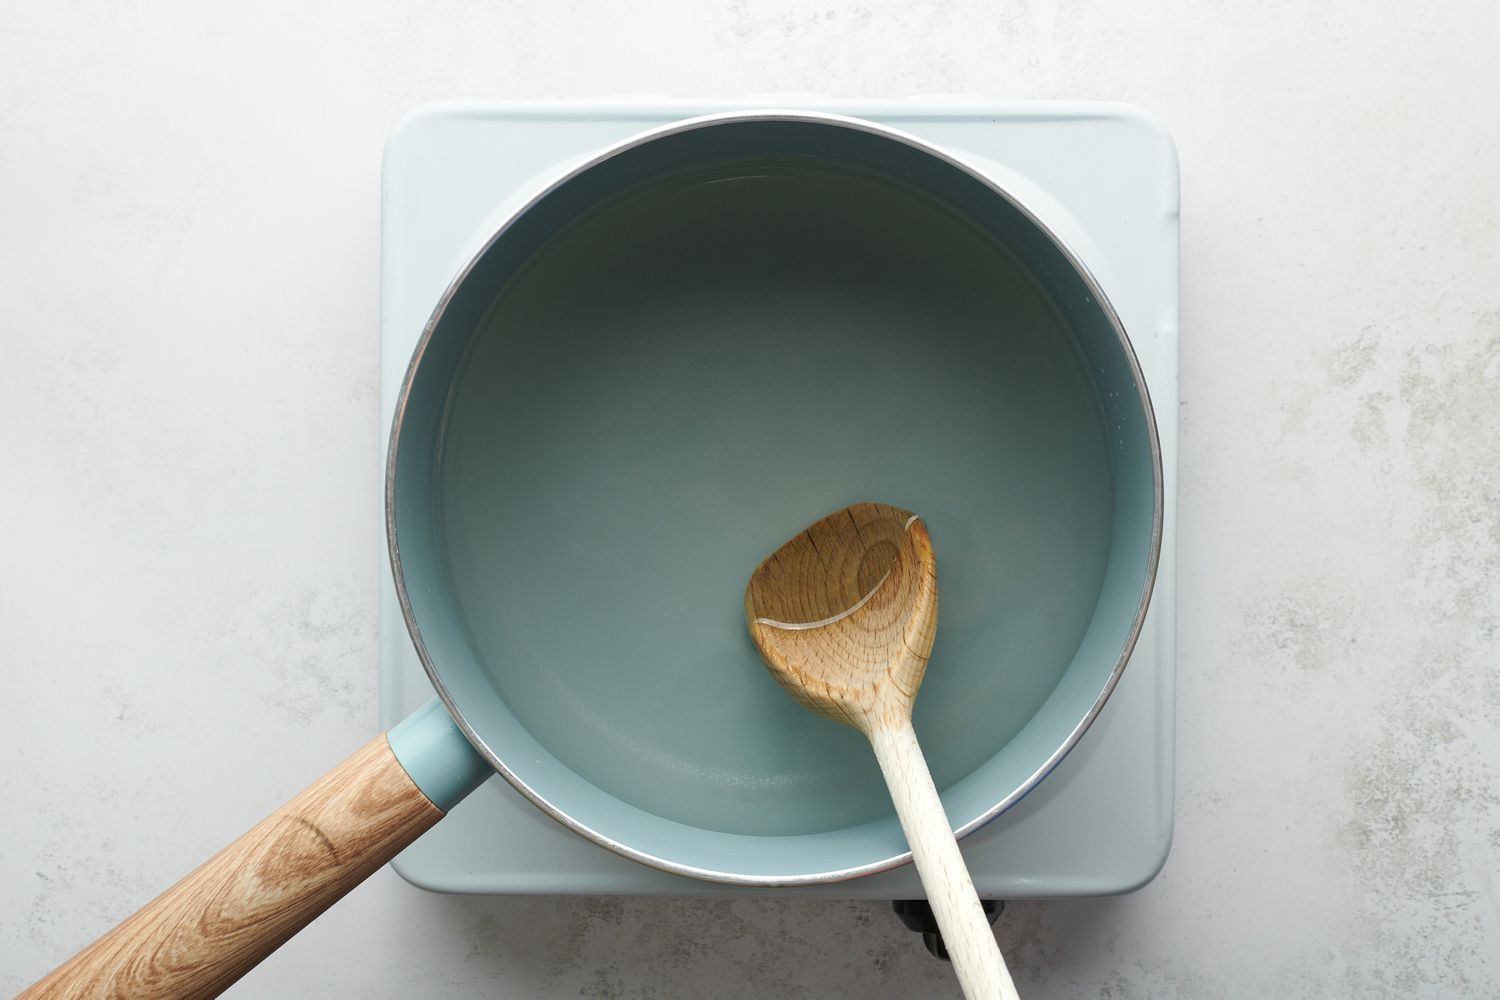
655 372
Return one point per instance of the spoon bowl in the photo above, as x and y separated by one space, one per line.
845 613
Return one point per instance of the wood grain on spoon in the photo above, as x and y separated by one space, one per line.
843 623
845 615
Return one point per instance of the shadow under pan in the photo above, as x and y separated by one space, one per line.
685 376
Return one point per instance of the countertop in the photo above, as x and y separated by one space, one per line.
189 233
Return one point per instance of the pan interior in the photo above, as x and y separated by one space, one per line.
680 380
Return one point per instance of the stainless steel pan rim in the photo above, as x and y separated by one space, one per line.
603 839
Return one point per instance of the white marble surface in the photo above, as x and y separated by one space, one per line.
188 263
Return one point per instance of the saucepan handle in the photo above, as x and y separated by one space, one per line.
208 930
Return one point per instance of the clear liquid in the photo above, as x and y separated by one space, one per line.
691 374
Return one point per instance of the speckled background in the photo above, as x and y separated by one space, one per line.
188 267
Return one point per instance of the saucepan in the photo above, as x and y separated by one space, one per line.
669 360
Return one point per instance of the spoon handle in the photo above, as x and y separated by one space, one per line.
967 934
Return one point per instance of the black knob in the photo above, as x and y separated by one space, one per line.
917 915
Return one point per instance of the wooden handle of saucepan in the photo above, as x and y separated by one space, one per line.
945 878
208 930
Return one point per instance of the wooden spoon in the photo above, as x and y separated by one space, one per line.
844 615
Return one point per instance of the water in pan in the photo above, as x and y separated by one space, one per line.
685 378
